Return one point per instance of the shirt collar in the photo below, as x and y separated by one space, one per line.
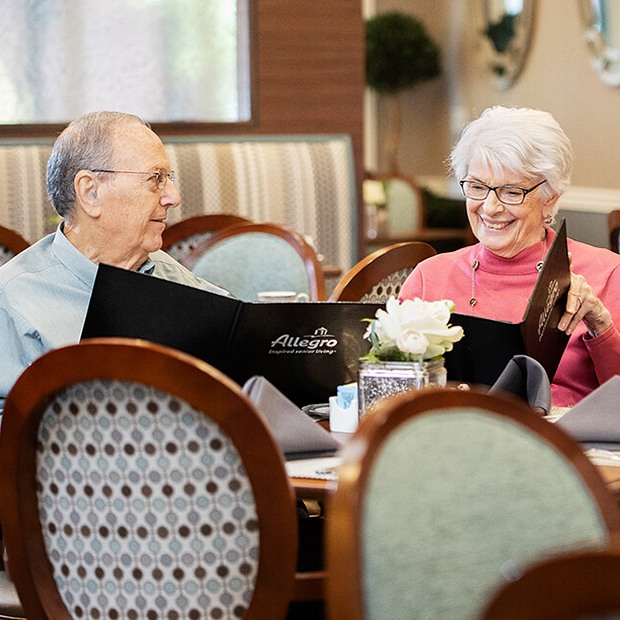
81 266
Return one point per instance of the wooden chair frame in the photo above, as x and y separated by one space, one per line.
12 240
190 379
368 272
307 253
345 596
574 585
199 224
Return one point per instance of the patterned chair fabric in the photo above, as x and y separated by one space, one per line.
5 255
163 502
182 249
145 505
305 182
388 287
449 495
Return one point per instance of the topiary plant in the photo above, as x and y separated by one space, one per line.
399 54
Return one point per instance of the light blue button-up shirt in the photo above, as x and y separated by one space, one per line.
44 295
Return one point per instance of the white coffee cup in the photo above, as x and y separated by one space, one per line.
281 296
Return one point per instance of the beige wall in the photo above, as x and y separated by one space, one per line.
557 77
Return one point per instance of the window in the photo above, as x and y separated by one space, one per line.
167 61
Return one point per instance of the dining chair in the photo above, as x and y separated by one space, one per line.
141 482
442 493
412 213
613 221
181 238
11 243
382 273
246 259
571 586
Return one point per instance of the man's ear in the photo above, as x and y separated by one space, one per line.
86 191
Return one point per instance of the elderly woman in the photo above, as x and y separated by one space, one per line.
512 165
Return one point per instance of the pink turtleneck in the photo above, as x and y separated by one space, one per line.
502 290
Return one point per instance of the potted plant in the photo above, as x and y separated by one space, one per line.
399 55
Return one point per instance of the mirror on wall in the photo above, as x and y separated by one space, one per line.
505 31
186 60
601 24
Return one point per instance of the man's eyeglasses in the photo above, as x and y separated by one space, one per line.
160 176
508 194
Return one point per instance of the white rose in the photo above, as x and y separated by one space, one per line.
412 341
414 327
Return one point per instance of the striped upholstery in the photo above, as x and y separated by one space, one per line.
305 182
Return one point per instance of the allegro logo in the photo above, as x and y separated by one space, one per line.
319 342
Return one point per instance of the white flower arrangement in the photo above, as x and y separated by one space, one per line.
411 331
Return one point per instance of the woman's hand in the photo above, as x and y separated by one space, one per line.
584 305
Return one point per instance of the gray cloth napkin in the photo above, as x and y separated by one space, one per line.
295 432
525 377
595 421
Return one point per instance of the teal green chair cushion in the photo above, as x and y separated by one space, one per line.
247 264
457 500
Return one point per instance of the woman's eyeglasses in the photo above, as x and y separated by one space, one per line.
507 194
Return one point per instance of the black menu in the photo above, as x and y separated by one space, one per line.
307 349
488 345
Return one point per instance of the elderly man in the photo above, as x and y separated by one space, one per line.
108 177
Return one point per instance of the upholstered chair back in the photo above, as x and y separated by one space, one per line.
444 494
145 500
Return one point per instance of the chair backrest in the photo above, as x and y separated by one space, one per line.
180 239
404 203
613 220
443 492
141 482
11 243
381 273
572 586
248 258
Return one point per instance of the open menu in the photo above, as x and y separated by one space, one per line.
307 349
488 345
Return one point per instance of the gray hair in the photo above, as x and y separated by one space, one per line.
522 141
86 143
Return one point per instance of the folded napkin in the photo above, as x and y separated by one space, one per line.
526 377
294 431
595 421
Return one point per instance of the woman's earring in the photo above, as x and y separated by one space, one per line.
549 220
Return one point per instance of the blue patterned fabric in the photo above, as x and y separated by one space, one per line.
146 508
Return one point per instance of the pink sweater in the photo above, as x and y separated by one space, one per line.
503 287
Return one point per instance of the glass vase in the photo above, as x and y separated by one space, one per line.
377 380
